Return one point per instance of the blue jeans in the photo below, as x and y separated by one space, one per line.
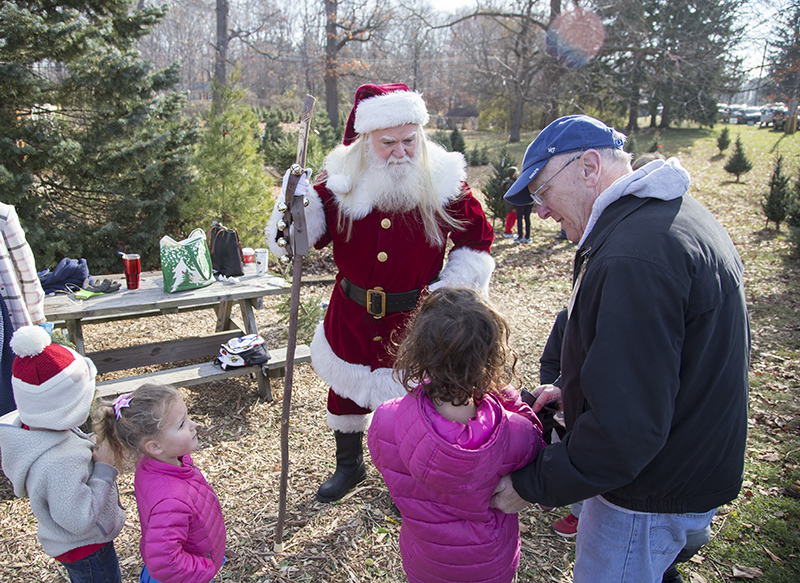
102 566
616 545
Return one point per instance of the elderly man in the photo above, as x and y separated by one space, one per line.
654 360
388 200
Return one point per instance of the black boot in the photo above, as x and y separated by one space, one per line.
350 468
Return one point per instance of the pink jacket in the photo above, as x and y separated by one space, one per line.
442 474
183 531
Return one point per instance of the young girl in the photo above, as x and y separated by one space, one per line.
443 448
70 483
183 531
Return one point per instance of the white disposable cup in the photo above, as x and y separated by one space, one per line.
247 254
261 261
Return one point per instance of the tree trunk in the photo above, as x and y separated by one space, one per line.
331 78
220 75
516 118
790 126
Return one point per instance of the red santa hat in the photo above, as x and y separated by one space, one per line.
377 107
53 385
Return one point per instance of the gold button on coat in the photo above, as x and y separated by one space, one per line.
378 338
386 223
382 256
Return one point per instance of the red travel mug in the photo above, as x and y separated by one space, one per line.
132 267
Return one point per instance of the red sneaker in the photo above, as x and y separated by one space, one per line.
566 527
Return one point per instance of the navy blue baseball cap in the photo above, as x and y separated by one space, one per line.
572 133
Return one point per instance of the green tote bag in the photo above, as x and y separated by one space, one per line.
186 264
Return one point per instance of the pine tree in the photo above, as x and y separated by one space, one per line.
457 141
776 201
231 185
494 190
738 163
793 216
93 151
724 140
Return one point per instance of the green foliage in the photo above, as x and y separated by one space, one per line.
310 312
655 145
278 149
738 163
443 139
631 146
94 154
231 185
59 337
498 185
479 156
457 142
775 203
724 140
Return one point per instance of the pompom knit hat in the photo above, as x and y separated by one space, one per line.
53 385
378 107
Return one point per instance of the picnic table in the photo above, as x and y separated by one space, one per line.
151 300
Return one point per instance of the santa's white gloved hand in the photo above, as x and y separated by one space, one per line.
302 185
437 284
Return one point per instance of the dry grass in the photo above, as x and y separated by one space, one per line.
355 539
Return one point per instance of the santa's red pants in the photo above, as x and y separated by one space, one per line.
338 405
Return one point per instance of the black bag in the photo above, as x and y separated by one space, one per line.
548 416
226 251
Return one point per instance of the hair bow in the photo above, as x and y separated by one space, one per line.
121 402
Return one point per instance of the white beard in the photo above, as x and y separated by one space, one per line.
395 185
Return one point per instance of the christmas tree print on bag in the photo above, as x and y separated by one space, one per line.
186 264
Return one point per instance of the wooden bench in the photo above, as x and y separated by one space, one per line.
205 372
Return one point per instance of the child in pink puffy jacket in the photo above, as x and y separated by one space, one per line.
443 448
183 531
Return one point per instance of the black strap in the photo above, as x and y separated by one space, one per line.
378 302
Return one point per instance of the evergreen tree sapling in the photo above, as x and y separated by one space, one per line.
776 201
457 141
723 140
738 163
230 185
95 155
793 215
494 189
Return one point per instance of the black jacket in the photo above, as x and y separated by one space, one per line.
654 366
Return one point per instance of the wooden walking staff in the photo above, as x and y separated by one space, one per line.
295 241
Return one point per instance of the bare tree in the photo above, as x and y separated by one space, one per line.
347 22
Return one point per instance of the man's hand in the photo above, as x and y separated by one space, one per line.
544 394
506 499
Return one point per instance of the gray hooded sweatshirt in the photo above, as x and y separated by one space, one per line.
74 499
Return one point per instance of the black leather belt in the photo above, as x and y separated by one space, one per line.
377 302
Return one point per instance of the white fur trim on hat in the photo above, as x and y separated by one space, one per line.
390 110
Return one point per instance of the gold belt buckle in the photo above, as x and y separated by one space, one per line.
378 291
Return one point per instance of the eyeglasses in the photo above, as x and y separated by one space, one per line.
535 193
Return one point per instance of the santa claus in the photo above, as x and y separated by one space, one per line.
388 200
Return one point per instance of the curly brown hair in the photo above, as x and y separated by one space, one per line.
456 348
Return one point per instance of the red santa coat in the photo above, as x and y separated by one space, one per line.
351 348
